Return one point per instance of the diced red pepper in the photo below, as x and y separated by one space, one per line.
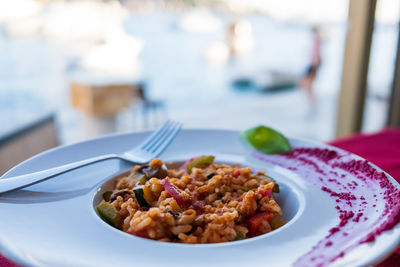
141 233
255 222
199 206
267 192
183 167
236 173
174 192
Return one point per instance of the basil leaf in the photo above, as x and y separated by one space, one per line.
266 140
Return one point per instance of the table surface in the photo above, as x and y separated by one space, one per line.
382 149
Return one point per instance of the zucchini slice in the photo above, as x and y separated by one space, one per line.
109 213
139 194
139 176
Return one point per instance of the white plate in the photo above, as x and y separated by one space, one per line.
54 223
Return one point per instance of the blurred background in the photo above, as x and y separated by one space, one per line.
73 70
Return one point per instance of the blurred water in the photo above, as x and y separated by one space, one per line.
34 76
200 93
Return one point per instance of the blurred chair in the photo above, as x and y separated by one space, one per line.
151 110
102 103
27 140
102 100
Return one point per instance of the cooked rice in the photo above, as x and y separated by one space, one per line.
218 209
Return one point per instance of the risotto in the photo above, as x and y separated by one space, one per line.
198 202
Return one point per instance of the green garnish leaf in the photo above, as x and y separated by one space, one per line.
246 189
266 140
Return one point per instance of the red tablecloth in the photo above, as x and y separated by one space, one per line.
382 148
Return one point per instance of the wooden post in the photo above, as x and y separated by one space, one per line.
355 66
394 102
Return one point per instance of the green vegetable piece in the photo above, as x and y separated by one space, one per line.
201 162
277 222
143 180
239 236
266 140
242 217
275 189
139 194
138 176
246 189
109 213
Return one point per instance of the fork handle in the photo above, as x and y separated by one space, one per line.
21 181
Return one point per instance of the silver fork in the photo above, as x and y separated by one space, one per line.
143 153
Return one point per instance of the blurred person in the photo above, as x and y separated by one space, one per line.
239 37
310 74
231 35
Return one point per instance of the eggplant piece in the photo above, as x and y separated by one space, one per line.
210 175
107 195
275 189
159 172
121 193
173 213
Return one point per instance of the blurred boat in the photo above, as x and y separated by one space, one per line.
267 81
